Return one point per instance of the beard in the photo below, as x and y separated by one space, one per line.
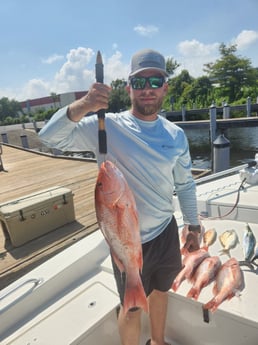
147 109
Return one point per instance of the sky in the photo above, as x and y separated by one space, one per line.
51 45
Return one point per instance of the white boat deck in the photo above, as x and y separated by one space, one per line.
75 300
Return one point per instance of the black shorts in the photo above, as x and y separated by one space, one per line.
161 262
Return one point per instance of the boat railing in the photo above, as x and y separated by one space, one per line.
30 283
220 174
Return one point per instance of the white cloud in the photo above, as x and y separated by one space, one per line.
33 88
147 31
196 48
53 58
75 74
115 68
245 39
194 54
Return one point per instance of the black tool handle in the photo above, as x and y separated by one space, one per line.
102 136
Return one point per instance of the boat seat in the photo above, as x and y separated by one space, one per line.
91 314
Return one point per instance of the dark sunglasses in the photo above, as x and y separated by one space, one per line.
139 83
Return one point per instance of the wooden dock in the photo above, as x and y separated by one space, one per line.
26 172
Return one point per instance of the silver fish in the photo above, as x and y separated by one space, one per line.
255 257
228 240
249 243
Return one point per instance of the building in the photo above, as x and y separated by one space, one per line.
50 102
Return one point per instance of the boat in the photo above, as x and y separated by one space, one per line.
72 298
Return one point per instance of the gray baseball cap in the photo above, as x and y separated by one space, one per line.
148 59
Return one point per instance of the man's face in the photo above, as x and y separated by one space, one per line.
148 101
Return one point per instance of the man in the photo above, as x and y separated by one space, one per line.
154 157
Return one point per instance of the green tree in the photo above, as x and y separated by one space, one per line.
231 73
9 108
200 92
119 99
171 66
176 89
55 98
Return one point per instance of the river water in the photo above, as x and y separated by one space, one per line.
243 146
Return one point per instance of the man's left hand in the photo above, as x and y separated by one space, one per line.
192 241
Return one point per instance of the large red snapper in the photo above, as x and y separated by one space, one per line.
229 281
118 220
203 275
190 262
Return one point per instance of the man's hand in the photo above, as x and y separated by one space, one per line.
192 241
96 98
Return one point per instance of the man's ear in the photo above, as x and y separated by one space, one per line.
127 87
165 88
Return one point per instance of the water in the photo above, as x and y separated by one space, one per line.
243 146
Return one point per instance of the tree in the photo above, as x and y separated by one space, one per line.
119 99
171 66
9 108
231 73
177 86
55 98
201 92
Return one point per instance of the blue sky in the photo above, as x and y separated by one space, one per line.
50 46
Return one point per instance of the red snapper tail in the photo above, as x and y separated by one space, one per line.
212 305
135 295
193 293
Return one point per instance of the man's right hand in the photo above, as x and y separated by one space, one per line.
95 99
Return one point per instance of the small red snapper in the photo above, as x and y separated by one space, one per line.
203 275
118 220
190 262
229 281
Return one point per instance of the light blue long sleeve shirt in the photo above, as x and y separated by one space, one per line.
153 156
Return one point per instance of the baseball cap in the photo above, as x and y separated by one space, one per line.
148 59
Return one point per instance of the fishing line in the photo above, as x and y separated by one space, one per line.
233 208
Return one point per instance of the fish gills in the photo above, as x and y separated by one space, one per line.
203 275
229 281
118 220
190 262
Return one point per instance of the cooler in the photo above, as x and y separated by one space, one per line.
33 215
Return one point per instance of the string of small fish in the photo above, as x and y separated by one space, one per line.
200 268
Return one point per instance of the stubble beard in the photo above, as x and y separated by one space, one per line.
147 109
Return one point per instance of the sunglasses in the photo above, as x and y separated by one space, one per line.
139 83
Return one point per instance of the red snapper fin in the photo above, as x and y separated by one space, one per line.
135 296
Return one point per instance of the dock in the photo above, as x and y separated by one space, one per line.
28 171
221 124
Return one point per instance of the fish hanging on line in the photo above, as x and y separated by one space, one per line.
228 240
228 283
118 220
190 262
209 237
249 243
203 275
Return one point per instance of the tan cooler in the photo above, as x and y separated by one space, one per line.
35 214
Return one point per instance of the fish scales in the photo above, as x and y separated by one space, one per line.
203 275
118 220
190 262
229 280
228 240
249 242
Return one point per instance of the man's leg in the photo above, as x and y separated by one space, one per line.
158 302
129 325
